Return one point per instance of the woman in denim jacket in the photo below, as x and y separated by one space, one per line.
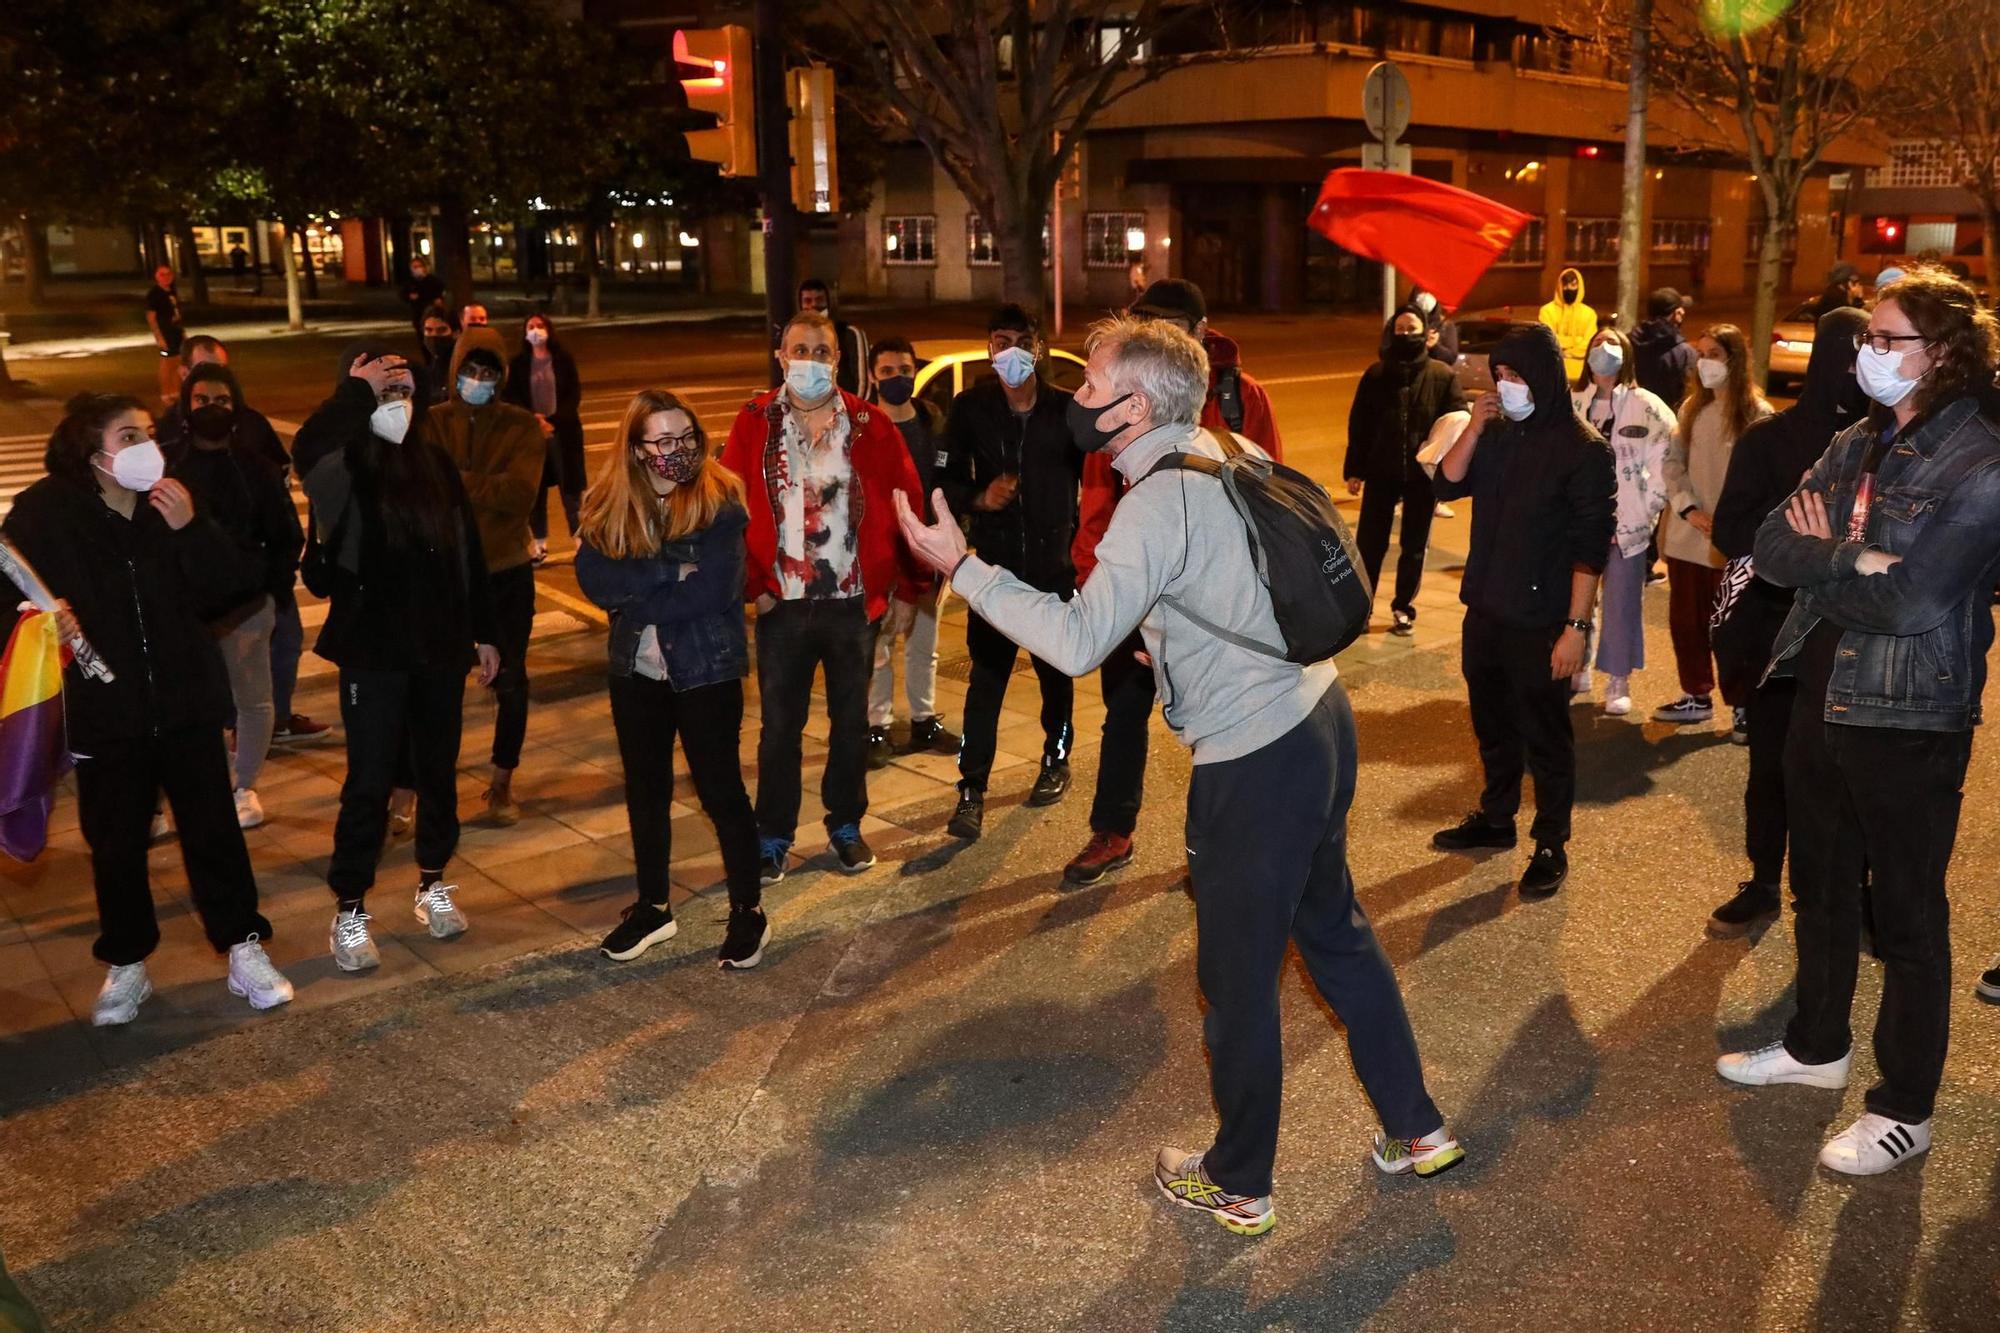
1892 541
660 547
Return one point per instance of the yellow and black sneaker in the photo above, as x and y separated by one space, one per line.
1434 1152
1180 1176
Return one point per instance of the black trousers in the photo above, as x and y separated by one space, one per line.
1267 849
993 655
513 593
117 792
647 715
390 717
795 639
1519 714
1371 535
1764 824
1883 802
1128 689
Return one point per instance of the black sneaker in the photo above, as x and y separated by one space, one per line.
970 817
880 752
1051 784
1655 577
1546 872
1754 905
743 944
640 927
1988 986
1402 622
771 867
852 849
1739 726
1472 833
928 734
1687 709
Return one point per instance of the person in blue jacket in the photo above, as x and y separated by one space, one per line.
660 547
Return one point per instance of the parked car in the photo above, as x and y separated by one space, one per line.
1478 335
1792 343
944 375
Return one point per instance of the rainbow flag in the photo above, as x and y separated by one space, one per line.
34 753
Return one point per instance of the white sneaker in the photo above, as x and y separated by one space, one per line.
249 810
253 976
1617 705
353 947
436 910
1579 687
1873 1144
1443 510
1772 1064
1434 1152
126 987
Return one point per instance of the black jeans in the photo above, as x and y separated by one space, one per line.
1770 710
1371 534
993 655
1884 802
395 719
1519 712
647 714
793 640
514 620
117 790
1267 848
1121 755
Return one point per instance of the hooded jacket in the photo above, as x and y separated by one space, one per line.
499 451
1574 325
1395 406
1544 496
246 497
1224 357
983 440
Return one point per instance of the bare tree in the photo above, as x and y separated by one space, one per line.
1954 100
1000 91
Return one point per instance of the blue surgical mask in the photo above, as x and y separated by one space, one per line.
477 393
1014 366
1606 358
1517 401
809 381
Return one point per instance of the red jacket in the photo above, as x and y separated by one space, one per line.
882 464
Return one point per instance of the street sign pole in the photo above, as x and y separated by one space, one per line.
1385 107
1055 246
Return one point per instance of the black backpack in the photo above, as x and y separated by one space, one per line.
1303 552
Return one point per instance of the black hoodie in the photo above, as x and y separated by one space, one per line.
246 496
1544 495
1395 406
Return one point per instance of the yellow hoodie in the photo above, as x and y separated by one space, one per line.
1575 325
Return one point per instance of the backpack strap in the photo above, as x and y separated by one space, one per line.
1182 462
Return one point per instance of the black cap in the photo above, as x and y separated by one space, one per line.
1842 272
1172 298
1663 302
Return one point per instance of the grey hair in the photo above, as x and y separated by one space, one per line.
1157 359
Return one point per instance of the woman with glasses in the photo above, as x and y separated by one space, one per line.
660 547
1890 543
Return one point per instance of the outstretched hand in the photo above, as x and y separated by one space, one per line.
941 545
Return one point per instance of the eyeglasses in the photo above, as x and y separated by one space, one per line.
669 444
1885 343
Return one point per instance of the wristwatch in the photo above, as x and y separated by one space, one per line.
1583 625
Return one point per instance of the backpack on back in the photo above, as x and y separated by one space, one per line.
1228 395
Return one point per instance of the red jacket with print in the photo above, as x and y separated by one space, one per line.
882 467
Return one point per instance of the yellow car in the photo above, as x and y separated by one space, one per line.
945 375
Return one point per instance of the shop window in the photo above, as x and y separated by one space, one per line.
910 240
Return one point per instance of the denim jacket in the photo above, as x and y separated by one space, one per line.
1913 646
698 619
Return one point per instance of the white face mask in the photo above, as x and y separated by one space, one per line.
391 420
1712 374
1517 401
1606 358
138 467
1880 377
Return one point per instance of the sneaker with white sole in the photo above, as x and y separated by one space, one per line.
353 947
743 942
1774 1064
436 910
249 810
1617 696
1987 987
1688 709
1434 1152
1874 1144
1181 1177
255 977
639 928
126 987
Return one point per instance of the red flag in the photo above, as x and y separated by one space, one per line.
1440 235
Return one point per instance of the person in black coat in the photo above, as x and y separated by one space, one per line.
1663 359
137 568
543 379
1443 347
1764 469
1399 399
408 615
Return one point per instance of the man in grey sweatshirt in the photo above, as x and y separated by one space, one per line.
1274 763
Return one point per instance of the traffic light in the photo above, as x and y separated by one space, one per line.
724 89
815 182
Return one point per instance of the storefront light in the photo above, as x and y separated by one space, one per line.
689 241
638 240
1135 238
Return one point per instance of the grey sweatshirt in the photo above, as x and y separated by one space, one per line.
1177 535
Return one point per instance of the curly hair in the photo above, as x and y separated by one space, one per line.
80 433
1959 331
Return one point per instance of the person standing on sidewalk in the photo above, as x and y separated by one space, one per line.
1572 321
1012 466
136 568
499 451
824 558
543 380
409 612
1891 543
661 549
163 317
1274 769
915 622
1545 508
423 290
1764 469
1722 405
1399 399
815 297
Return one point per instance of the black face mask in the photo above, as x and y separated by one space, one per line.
1570 294
1083 426
212 422
1406 346
896 390
438 349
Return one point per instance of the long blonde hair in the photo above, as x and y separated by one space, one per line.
623 516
